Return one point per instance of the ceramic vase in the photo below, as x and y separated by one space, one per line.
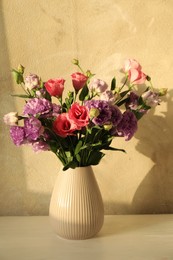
76 207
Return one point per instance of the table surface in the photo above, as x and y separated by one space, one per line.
122 237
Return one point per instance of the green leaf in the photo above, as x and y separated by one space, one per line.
113 83
83 93
21 96
72 164
78 158
53 146
78 147
124 93
95 157
114 149
18 77
120 103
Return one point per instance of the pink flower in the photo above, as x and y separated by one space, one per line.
79 114
55 87
64 126
131 64
137 76
135 73
79 80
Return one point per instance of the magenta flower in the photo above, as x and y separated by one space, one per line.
37 106
17 135
33 128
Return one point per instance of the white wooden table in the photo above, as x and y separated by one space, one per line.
148 237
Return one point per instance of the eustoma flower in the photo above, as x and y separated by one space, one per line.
32 81
98 86
79 114
55 87
134 70
64 126
11 118
79 80
80 126
33 128
36 106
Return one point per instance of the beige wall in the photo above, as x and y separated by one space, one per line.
45 36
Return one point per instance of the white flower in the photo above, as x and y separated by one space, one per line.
11 118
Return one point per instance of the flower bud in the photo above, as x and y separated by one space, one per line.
75 62
163 91
21 69
107 127
94 112
11 118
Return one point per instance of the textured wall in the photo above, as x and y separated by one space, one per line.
44 36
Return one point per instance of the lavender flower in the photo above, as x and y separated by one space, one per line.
33 128
38 106
108 96
17 135
32 81
151 98
40 146
127 126
98 86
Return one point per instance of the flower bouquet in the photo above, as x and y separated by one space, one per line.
79 127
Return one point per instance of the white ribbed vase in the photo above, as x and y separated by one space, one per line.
76 208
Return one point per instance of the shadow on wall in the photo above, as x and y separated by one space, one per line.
155 193
14 197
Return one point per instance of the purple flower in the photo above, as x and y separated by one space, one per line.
17 135
134 105
104 111
127 126
33 128
133 101
37 106
116 115
32 81
56 109
40 146
107 113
